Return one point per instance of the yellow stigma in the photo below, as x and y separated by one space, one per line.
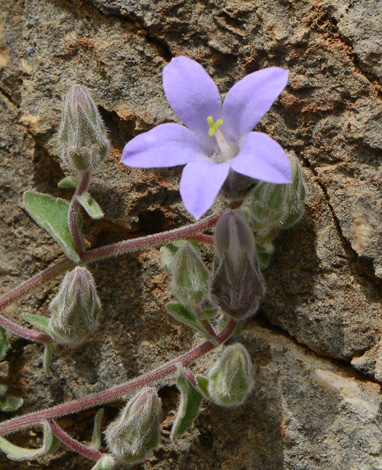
213 126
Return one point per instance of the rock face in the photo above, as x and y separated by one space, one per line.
316 342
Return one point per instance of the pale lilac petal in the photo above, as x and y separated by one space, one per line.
164 146
191 93
262 158
249 99
200 183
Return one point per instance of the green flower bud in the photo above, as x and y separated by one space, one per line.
278 205
136 431
237 284
82 132
75 309
231 378
190 277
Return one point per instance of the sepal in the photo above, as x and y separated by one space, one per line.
50 444
107 462
69 182
91 206
96 437
186 316
190 399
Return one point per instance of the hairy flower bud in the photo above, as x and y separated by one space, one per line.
190 277
75 309
278 205
231 378
136 431
82 132
237 284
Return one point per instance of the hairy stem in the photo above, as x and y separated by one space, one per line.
115 392
73 211
91 454
90 256
158 239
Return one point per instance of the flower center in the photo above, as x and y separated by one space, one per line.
226 151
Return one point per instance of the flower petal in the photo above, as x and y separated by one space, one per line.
262 158
191 93
200 183
249 99
164 146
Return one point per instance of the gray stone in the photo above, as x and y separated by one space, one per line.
317 342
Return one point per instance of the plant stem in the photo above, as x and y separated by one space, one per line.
91 256
115 392
91 454
200 237
158 239
73 211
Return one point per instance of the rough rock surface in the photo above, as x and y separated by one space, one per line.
316 343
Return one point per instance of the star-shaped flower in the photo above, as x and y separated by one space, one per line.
218 136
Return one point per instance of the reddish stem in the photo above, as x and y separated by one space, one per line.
91 454
158 239
115 392
73 211
201 237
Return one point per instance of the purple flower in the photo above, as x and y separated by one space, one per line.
218 136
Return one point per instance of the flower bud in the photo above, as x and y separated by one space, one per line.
75 308
136 431
231 378
278 205
190 277
82 132
237 284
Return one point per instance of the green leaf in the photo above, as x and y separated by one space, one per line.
188 410
48 356
10 404
202 382
209 313
189 318
96 438
91 206
69 182
106 462
50 444
3 342
52 215
42 323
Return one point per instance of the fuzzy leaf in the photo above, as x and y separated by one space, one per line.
3 342
209 313
187 317
106 462
10 404
42 323
91 206
50 444
48 356
188 410
96 438
203 385
69 182
52 215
